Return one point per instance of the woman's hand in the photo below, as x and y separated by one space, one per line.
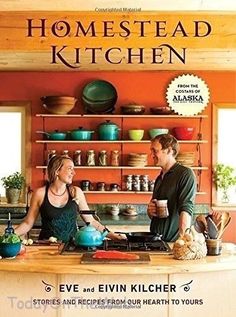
116 236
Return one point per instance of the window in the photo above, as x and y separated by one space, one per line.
14 140
224 142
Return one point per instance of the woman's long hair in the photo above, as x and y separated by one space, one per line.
54 165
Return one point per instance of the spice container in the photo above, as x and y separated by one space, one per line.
115 158
66 153
128 182
102 158
136 183
51 153
90 158
144 183
77 158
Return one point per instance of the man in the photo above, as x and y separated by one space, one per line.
177 184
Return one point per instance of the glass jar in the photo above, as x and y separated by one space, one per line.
51 153
151 184
77 158
128 182
136 183
144 183
90 158
65 152
102 158
115 157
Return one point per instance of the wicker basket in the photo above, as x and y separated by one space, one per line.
191 246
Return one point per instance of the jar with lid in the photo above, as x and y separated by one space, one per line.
90 158
128 182
115 158
65 152
77 158
136 183
102 158
144 183
51 153
151 184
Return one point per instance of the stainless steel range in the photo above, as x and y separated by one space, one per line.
158 246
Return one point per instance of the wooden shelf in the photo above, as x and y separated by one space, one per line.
124 167
118 141
117 116
126 192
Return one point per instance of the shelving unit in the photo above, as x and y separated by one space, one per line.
123 143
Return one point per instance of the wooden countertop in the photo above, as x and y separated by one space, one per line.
46 259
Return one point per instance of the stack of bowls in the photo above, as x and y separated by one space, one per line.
137 159
132 109
99 97
58 104
186 158
136 135
155 132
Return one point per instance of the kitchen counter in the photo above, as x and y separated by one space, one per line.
42 282
46 259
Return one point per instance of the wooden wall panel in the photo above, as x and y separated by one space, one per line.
217 51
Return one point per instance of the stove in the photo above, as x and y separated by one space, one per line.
153 247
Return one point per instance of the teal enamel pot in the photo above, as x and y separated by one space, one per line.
108 131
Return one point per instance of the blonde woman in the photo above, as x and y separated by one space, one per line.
58 203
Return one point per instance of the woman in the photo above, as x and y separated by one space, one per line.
58 204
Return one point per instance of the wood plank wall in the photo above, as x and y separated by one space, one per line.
19 51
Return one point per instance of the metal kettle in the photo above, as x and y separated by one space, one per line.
89 236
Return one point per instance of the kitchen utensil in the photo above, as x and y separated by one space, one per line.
223 227
155 132
81 134
212 228
108 131
89 237
136 135
141 236
55 135
58 104
132 109
183 133
201 225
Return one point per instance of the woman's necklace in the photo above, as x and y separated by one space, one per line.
57 194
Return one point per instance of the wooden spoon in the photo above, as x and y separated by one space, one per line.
223 227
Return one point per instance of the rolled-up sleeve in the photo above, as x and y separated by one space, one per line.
186 192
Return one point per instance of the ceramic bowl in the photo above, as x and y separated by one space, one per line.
132 109
8 250
58 104
183 133
155 132
136 135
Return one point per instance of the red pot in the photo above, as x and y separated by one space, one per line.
183 133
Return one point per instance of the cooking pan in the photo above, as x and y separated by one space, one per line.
55 135
81 134
141 236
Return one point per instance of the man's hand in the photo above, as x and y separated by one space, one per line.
151 210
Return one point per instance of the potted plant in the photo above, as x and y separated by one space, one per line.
13 185
224 179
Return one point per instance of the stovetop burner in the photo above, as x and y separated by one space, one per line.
158 246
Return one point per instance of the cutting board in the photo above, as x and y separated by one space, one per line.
87 258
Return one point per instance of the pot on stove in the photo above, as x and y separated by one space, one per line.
88 236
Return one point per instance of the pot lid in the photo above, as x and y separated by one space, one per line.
108 123
88 228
